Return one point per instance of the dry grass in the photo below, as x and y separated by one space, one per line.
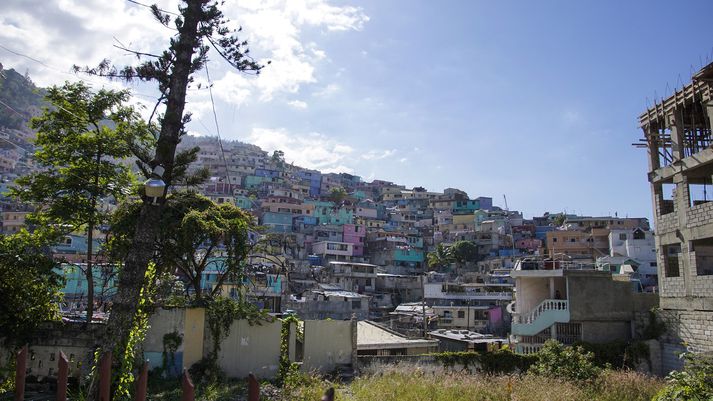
428 383
419 385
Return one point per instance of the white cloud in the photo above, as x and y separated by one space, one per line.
403 160
61 33
298 104
378 154
328 90
313 150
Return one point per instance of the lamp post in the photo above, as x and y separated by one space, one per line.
154 187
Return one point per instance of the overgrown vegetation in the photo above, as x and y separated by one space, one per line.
29 289
694 382
412 383
617 354
287 367
500 361
558 361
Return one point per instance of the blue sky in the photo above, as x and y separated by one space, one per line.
536 100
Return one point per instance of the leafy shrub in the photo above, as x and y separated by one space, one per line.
617 354
694 382
500 361
562 362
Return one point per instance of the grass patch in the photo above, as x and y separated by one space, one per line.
412 383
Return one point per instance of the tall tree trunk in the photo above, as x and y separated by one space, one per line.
131 278
89 274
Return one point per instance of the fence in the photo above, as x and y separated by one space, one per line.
187 387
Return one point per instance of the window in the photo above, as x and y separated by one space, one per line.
666 195
698 192
461 314
572 240
670 258
703 249
52 356
622 237
554 239
356 304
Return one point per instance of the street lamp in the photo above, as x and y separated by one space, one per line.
154 187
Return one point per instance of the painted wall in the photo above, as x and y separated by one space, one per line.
249 349
328 343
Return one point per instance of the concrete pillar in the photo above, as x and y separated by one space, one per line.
355 359
682 201
708 107
651 136
676 126
552 288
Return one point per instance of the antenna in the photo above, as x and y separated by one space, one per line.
512 236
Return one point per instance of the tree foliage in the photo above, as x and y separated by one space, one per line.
337 195
195 235
694 382
81 140
29 288
441 257
464 252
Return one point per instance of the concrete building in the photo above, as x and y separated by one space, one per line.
677 136
374 339
329 302
570 302
358 277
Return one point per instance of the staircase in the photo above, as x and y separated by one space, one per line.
544 315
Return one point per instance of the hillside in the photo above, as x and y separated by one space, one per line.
20 98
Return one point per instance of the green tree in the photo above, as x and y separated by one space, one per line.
200 25
29 288
81 141
464 252
194 234
337 195
441 257
559 219
694 382
278 158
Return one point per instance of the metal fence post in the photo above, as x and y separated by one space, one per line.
62 377
142 383
105 377
253 388
328 395
187 387
20 373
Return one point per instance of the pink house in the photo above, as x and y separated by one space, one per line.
355 234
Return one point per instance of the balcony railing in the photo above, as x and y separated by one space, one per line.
538 264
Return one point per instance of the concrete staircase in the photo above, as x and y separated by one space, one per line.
544 315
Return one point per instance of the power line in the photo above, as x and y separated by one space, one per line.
217 127
17 53
11 109
148 6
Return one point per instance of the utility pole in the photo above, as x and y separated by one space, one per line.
423 305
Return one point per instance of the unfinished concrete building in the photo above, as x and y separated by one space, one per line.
678 138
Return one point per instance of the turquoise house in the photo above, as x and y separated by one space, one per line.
75 282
